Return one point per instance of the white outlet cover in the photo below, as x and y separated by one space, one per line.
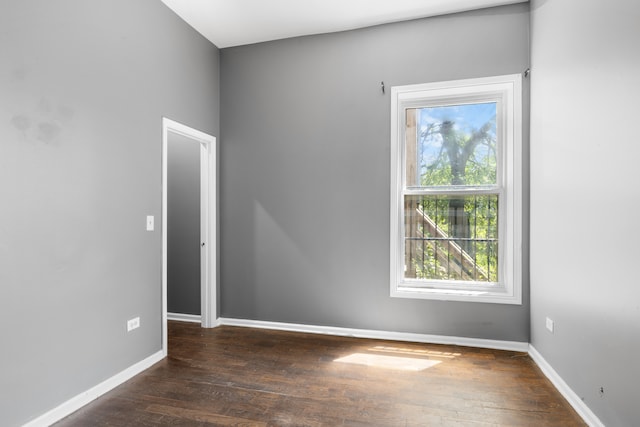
133 324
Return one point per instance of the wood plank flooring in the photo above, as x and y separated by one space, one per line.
232 376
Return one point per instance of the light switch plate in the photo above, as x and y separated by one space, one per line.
549 325
150 224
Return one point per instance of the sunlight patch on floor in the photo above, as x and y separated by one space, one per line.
388 362
417 352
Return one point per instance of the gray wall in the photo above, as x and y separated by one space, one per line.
84 85
183 224
304 171
585 198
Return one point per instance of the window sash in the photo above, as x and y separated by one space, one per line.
456 283
501 135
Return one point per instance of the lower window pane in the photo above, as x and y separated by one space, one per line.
451 237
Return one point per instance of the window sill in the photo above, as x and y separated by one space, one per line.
498 296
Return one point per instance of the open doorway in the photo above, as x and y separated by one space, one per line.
189 255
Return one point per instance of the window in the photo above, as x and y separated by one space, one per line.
456 160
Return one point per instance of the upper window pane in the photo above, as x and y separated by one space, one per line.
453 145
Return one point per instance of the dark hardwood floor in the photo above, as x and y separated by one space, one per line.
252 377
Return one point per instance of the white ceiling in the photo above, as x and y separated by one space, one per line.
229 23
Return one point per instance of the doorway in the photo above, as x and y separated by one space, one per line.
188 224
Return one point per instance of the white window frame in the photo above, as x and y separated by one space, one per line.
507 92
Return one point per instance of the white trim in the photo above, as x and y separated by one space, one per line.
574 400
382 335
181 317
208 179
507 91
88 396
84 398
165 336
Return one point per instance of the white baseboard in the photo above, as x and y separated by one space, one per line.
574 400
86 397
77 402
180 317
581 408
384 335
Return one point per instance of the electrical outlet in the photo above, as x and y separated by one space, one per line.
133 324
550 325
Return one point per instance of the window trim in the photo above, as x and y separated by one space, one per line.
508 89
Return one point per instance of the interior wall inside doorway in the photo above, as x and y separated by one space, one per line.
183 225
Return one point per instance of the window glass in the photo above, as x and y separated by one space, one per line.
455 145
451 237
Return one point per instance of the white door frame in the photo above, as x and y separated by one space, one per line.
208 221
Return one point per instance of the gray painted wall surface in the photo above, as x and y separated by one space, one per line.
183 225
585 197
84 85
304 171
